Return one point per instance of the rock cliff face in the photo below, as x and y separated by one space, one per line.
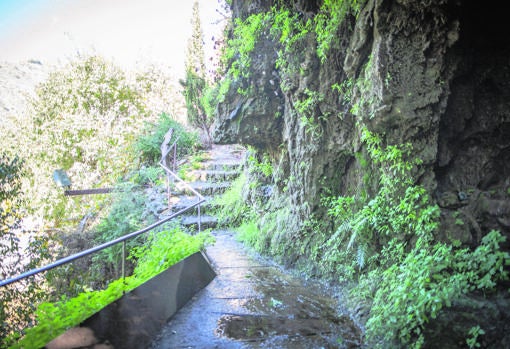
437 76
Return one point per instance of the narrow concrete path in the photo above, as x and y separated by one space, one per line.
253 303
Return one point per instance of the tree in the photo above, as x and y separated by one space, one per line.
195 56
195 83
17 301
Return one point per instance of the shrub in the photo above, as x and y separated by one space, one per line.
126 215
431 277
84 117
148 144
411 278
232 210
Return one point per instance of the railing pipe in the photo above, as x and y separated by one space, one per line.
98 248
174 146
182 181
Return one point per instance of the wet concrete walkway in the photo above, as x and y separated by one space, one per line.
253 303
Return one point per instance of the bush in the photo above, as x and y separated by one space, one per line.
84 117
148 145
126 215
411 278
232 210
431 277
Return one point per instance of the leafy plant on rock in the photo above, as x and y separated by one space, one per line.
430 277
327 22
411 277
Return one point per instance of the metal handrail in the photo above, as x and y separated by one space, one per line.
95 249
182 181
110 243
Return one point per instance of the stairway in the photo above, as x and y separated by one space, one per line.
212 179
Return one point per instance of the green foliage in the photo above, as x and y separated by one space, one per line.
430 277
163 250
327 22
345 90
290 30
231 208
91 86
10 179
152 176
16 301
265 233
166 248
147 146
474 333
195 56
199 97
248 232
399 209
263 167
85 118
126 215
245 36
209 101
222 89
410 278
308 108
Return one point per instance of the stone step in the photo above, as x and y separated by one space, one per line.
178 203
206 222
203 187
222 166
214 175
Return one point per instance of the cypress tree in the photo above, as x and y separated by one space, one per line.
195 83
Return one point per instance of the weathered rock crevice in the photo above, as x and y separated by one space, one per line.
472 171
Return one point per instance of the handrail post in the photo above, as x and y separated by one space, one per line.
199 218
175 156
123 259
168 191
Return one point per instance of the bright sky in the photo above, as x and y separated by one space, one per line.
128 31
